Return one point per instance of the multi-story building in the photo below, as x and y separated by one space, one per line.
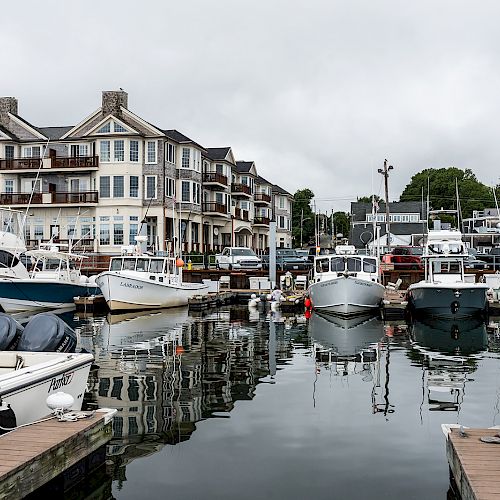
101 182
282 210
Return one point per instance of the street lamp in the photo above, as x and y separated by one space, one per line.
385 172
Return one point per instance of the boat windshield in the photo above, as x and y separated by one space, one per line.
443 248
116 265
156 266
447 267
337 264
369 265
354 264
128 264
322 265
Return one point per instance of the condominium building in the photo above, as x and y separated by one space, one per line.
101 182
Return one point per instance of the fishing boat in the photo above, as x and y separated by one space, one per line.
146 282
444 291
346 283
53 282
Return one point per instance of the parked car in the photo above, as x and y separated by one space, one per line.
302 253
238 258
491 258
287 260
407 257
472 262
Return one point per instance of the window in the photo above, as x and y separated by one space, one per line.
9 185
38 233
31 152
105 151
185 191
104 187
134 150
118 234
104 234
151 148
119 128
71 231
282 202
86 231
354 264
150 187
119 148
244 205
170 187
134 186
132 234
186 154
281 222
244 180
369 266
9 152
105 129
118 186
170 153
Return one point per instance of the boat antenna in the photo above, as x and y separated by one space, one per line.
459 207
496 201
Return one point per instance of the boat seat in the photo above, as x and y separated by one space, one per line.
224 282
394 286
11 360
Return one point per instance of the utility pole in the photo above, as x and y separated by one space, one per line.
301 222
385 173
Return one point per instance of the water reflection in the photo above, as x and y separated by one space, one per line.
448 352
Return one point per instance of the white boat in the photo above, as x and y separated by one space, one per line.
146 282
346 283
53 283
444 291
28 378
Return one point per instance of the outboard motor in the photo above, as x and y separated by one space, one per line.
10 333
46 332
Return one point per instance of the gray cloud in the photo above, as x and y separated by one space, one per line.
318 93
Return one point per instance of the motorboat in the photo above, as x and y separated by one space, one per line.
346 283
146 282
53 282
444 291
36 361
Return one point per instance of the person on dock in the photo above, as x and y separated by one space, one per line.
276 294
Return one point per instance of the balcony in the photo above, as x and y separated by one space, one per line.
262 198
261 221
54 162
213 207
214 179
241 214
49 198
241 189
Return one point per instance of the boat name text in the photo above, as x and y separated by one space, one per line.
58 382
131 285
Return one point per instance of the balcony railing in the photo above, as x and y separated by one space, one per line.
241 214
51 162
215 207
262 197
261 220
214 177
241 188
48 198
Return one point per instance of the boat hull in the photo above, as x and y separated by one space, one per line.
346 296
30 295
458 300
26 389
124 293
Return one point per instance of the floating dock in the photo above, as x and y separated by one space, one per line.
33 455
474 465
211 299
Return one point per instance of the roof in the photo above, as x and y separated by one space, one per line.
218 153
176 136
280 190
244 166
54 133
261 180
7 133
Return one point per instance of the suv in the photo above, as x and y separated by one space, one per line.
286 260
407 257
237 258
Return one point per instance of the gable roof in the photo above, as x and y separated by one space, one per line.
261 180
5 132
244 166
218 153
54 133
176 136
280 190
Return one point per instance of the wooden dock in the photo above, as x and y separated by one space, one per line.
474 465
211 299
33 455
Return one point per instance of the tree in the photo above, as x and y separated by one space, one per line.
302 217
368 199
341 223
473 195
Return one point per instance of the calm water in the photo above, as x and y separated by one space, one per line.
239 404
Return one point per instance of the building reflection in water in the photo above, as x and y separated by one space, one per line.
182 371
448 352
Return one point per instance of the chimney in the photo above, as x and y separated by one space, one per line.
112 100
7 105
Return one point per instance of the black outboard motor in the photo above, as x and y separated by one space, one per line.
46 332
10 333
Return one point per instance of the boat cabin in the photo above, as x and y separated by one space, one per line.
54 264
158 267
333 266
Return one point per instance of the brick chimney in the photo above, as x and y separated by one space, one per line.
112 100
7 105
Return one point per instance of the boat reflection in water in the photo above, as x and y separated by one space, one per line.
163 383
448 351
346 346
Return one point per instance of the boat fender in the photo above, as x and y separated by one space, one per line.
7 418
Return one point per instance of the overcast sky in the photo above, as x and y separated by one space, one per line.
317 93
